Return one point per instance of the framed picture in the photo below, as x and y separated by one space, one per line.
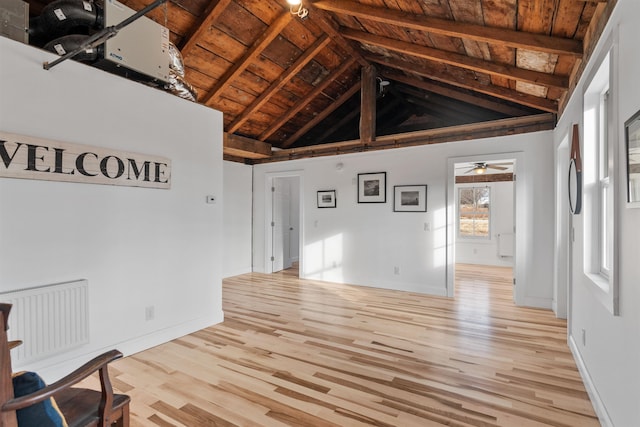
632 137
327 199
410 198
372 187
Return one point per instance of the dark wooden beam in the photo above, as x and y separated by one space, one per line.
303 102
323 115
490 129
256 49
335 127
454 93
211 13
489 177
456 59
368 104
500 36
242 147
493 90
279 83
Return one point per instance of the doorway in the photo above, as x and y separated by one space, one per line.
562 256
283 228
489 237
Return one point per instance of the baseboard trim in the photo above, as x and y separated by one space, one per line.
55 368
594 396
537 302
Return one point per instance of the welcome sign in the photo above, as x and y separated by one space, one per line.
35 158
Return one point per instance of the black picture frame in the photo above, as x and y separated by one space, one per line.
632 151
410 198
327 199
372 187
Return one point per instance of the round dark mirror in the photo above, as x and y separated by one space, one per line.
575 188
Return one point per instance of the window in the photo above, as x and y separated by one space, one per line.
605 202
474 212
599 120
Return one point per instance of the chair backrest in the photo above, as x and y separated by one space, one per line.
7 419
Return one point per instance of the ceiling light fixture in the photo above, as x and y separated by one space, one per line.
295 6
480 168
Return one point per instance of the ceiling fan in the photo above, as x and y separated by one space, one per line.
480 168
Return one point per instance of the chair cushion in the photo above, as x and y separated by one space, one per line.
43 414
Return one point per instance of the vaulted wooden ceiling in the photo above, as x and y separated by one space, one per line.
372 74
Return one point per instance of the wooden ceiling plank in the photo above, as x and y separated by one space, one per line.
215 8
258 46
324 22
303 102
511 126
241 146
279 83
320 117
492 90
459 60
452 92
511 38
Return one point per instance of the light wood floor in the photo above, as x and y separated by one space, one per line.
303 353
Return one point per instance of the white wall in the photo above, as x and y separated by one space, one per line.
237 219
610 358
363 243
485 251
136 247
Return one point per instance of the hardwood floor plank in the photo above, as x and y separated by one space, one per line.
297 352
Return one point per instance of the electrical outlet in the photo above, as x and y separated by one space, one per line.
396 270
584 337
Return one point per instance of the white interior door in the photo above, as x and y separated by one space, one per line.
294 221
283 221
277 225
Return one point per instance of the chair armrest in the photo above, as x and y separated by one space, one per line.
96 364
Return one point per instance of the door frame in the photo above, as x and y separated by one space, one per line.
562 245
268 211
522 221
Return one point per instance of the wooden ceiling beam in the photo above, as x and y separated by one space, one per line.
247 148
279 83
323 115
439 106
489 129
335 127
368 94
211 13
303 102
326 24
501 36
256 49
492 90
454 93
489 177
480 65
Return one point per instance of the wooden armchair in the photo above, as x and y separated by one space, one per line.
79 406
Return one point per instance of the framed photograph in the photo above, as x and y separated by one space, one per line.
327 199
410 198
632 137
372 187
